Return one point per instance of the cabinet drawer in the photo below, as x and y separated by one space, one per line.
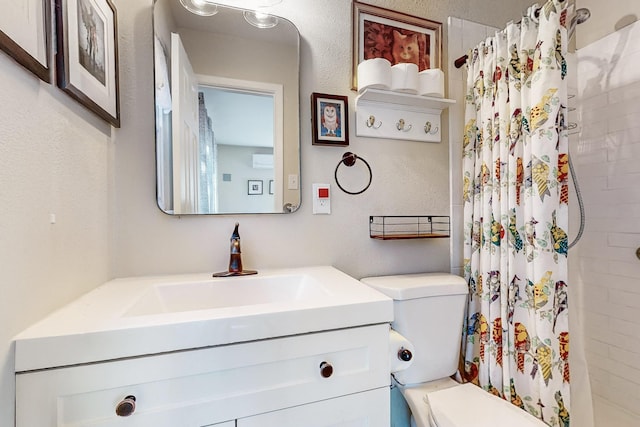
366 409
207 386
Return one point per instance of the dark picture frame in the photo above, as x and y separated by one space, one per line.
376 30
30 46
87 55
329 119
254 187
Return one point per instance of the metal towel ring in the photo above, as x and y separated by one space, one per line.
349 159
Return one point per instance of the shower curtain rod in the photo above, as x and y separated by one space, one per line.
463 59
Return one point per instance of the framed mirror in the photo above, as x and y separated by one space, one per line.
226 111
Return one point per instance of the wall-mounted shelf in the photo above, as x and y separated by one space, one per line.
389 227
397 115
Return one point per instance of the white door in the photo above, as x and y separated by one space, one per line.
185 126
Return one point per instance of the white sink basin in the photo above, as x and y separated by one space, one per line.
227 292
149 315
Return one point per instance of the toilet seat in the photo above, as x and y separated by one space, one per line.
450 404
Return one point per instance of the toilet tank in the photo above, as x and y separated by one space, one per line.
428 311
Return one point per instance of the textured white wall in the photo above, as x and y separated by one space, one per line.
53 160
408 177
55 157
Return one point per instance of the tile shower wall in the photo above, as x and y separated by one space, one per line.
462 36
607 160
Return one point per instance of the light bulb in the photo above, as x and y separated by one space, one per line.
260 19
200 7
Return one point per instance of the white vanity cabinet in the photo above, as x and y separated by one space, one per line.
331 378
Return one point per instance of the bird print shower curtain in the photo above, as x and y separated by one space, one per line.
515 165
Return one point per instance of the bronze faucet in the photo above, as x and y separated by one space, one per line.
235 258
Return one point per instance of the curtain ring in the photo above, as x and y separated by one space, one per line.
349 159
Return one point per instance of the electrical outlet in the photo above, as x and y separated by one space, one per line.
321 199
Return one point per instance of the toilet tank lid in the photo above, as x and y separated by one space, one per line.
411 286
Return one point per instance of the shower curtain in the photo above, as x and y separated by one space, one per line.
516 338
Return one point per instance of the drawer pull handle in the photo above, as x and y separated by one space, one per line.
326 370
404 354
126 407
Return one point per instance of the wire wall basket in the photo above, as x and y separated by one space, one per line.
409 227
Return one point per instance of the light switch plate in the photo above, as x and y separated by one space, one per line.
292 182
321 199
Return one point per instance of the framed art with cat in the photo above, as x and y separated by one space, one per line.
395 36
329 119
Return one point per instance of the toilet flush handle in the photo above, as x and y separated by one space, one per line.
404 354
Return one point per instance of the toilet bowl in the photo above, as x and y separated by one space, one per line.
428 311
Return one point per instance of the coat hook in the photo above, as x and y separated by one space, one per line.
401 126
371 122
427 129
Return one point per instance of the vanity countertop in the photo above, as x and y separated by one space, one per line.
139 316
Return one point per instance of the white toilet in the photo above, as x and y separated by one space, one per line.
428 311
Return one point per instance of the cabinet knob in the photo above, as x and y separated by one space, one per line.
126 407
326 370
404 354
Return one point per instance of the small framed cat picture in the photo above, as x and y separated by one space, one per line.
394 36
329 119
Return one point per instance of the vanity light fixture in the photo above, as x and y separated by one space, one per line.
200 7
258 17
